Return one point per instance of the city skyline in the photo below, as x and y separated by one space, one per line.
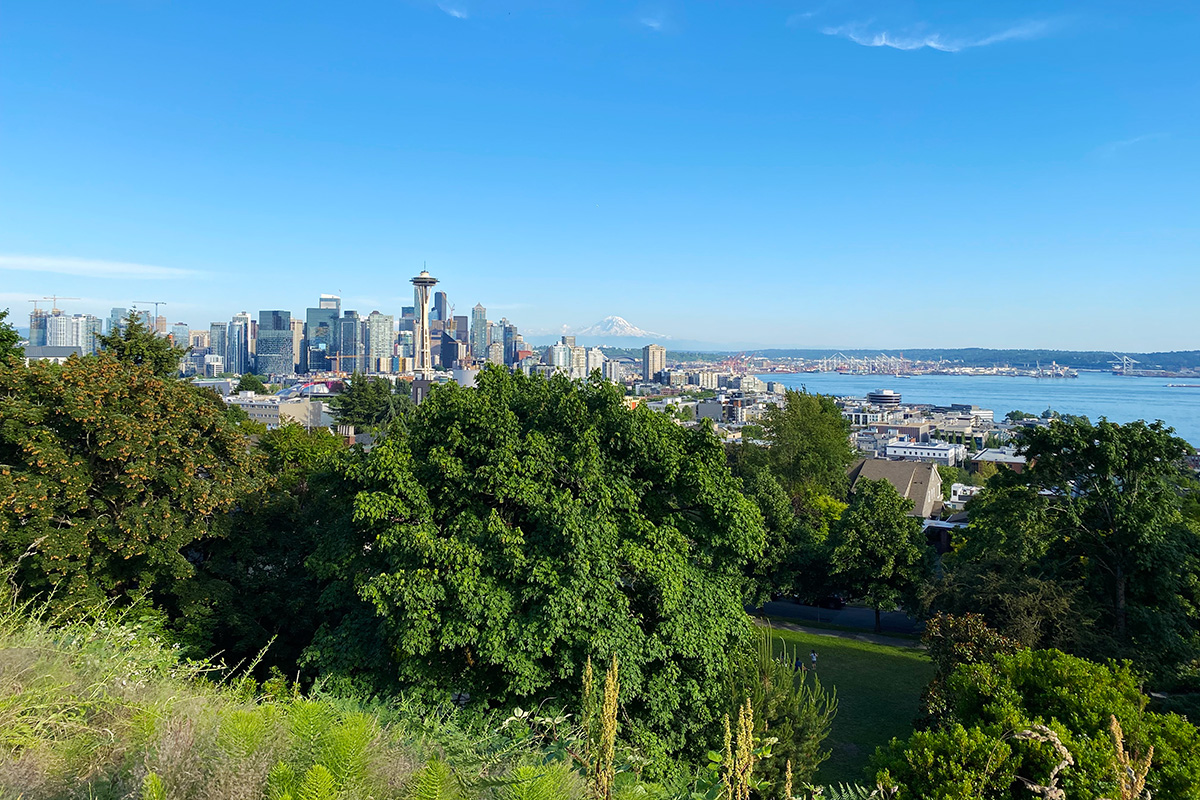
848 166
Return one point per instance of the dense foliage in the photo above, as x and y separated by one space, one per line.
1044 718
369 402
134 343
508 533
108 472
9 340
1088 549
877 552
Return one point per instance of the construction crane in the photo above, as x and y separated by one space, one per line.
156 304
56 298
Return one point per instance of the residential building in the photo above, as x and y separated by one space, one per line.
917 481
77 330
381 341
613 371
237 353
654 361
594 361
274 354
495 353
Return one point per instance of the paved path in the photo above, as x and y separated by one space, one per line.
873 638
848 617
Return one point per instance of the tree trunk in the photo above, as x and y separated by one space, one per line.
878 625
1121 615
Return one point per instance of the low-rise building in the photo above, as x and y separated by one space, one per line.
916 481
1001 457
935 452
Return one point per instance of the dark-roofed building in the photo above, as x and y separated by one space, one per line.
56 353
917 481
1001 457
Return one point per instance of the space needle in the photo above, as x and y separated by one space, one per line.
424 358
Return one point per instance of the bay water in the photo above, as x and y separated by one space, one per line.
1093 394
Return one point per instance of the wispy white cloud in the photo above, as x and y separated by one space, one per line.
454 11
653 23
1110 149
916 38
92 268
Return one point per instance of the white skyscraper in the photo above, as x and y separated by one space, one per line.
423 366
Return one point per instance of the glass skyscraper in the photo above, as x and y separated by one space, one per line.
273 353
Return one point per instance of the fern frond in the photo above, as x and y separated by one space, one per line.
318 785
434 781
282 783
153 788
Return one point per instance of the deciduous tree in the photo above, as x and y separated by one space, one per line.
877 552
504 534
137 344
107 471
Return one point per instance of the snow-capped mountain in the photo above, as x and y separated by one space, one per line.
617 327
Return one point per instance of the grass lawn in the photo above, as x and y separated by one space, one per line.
878 691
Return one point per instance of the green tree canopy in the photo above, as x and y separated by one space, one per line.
8 339
107 471
504 534
990 746
369 402
809 444
1089 542
137 344
877 552
251 586
249 382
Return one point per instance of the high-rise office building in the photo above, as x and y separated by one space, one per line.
38 323
462 331
352 352
299 357
654 360
381 342
479 331
116 319
273 351
179 334
422 348
569 341
510 341
441 307
322 329
198 340
408 317
160 325
237 352
218 340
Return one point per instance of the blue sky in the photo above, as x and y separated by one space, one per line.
874 174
